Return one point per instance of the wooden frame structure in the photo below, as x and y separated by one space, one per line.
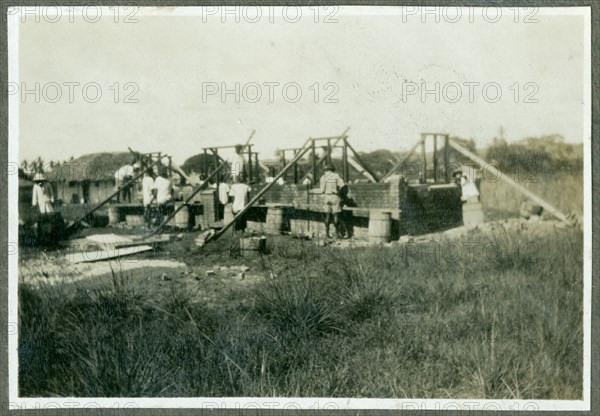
435 173
350 158
252 166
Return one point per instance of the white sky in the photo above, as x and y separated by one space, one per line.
369 57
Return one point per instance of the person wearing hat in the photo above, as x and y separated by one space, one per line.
43 195
330 184
457 175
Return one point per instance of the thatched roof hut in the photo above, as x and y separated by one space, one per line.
92 167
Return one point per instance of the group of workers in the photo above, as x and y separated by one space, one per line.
157 190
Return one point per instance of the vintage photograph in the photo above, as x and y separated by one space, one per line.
321 207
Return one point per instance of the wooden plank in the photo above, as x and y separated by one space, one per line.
360 169
108 239
90 256
364 165
497 173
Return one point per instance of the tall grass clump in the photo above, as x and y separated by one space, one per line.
400 321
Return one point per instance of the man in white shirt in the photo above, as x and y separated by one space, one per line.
223 198
163 193
123 175
239 192
43 195
147 196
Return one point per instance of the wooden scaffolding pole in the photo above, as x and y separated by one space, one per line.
360 169
360 161
316 162
402 161
301 152
193 194
101 204
424 157
510 182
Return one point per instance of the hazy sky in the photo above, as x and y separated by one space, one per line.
368 63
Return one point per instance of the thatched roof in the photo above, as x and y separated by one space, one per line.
92 167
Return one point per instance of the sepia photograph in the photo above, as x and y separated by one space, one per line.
299 207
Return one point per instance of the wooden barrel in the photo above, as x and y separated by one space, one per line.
228 214
380 226
114 215
274 223
253 246
473 213
182 218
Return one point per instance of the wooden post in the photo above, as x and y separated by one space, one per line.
257 167
435 161
295 168
424 160
314 160
216 158
249 170
345 160
283 162
510 182
328 150
205 162
322 158
446 158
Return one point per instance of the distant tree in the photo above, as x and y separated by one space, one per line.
39 165
543 154
468 144
380 161
200 163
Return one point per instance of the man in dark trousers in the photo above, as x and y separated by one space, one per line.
330 185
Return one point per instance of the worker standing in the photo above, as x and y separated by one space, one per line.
122 176
330 185
224 188
240 192
163 193
43 194
147 196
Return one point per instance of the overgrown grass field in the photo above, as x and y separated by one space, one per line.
489 317
563 190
